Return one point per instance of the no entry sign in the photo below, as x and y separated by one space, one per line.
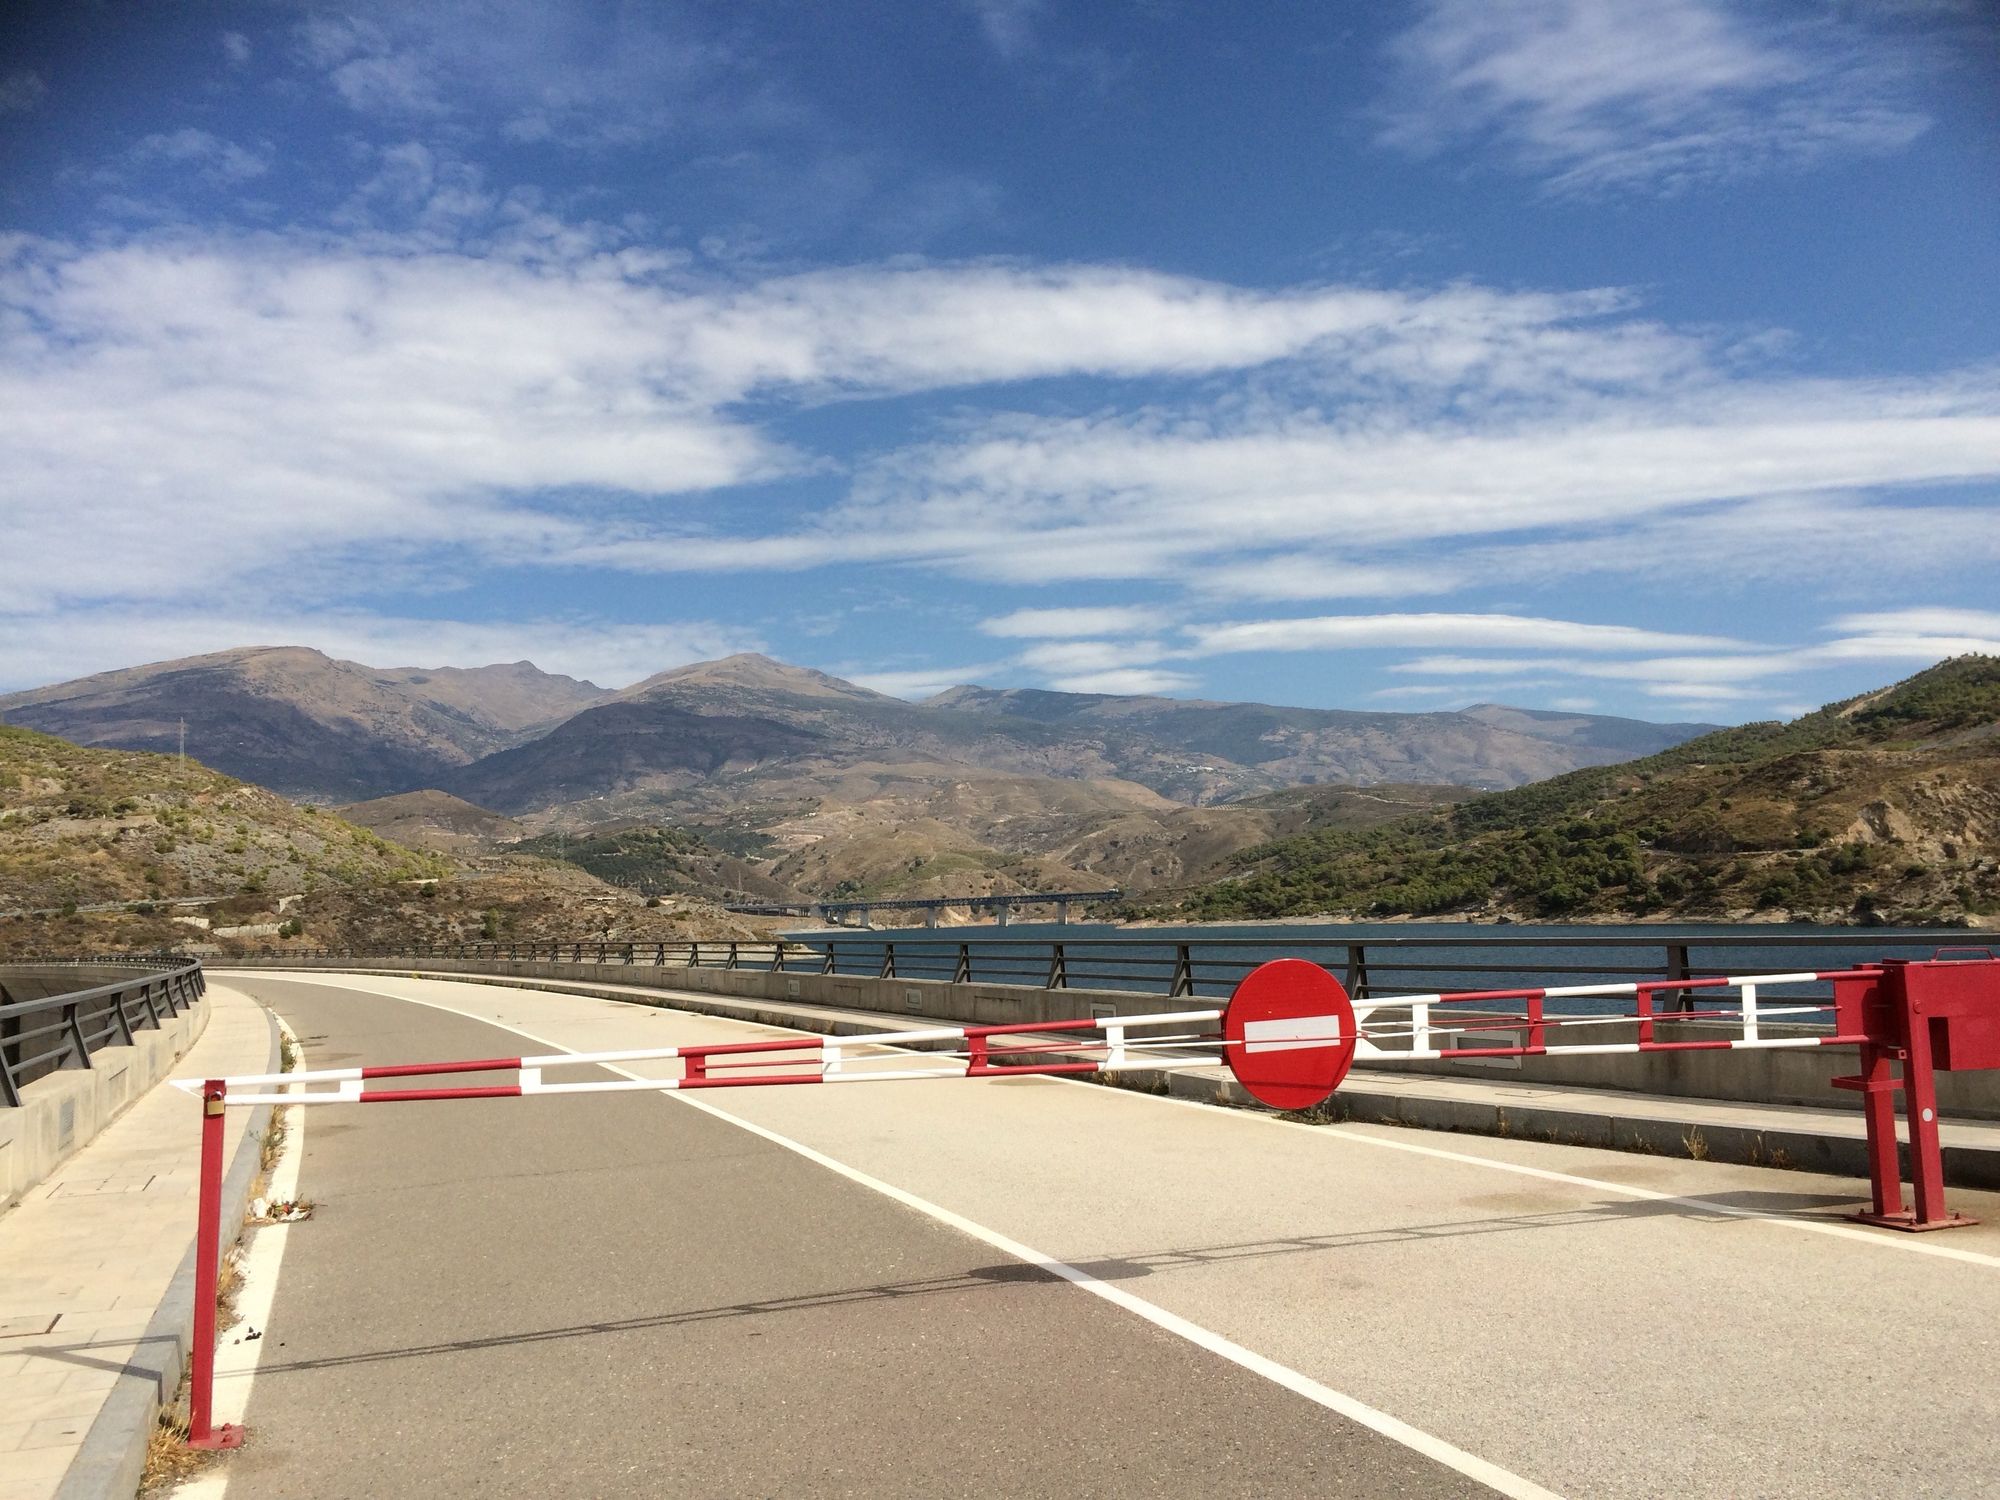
1289 1033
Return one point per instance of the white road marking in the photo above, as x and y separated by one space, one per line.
236 1360
1500 1480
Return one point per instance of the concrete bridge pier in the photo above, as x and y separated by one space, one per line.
1062 914
1000 911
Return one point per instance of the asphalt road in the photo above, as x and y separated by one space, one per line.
619 1294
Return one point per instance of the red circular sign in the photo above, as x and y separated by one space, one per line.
1289 1033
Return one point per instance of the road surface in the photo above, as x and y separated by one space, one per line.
837 1290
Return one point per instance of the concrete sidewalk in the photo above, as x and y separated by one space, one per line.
1831 1140
97 1276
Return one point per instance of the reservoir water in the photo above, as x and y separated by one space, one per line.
1392 957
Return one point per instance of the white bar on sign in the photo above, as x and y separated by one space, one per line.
1291 1034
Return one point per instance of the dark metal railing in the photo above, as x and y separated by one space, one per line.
1371 968
38 1037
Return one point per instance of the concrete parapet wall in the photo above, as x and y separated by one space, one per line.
1778 1076
61 1112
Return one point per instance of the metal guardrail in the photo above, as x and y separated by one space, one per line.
1371 968
38 1037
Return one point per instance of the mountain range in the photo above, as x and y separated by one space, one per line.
819 784
518 740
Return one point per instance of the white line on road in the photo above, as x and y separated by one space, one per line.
1469 1464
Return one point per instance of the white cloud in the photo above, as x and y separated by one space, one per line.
1332 576
1007 25
1594 94
1070 657
1922 621
1111 619
1138 680
1359 632
283 413
21 91
223 163
236 47
1696 692
1147 496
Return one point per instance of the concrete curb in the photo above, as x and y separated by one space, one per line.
112 1459
1780 1136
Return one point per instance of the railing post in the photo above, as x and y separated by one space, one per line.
124 1021
732 955
829 965
1183 972
778 956
1058 969
888 960
1357 971
80 1047
962 971
1677 968
659 955
202 1433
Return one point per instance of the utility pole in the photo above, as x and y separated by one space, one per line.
183 773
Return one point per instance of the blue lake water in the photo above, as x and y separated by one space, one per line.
1450 955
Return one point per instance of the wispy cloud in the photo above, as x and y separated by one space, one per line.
1055 624
1361 632
542 394
222 163
1604 94
1007 25
1140 680
21 91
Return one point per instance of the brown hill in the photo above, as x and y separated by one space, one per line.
300 722
434 820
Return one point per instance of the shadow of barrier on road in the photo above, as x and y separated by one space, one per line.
1810 1207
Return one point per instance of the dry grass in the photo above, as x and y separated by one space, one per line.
169 1460
1696 1144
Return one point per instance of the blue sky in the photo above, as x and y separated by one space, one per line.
1568 353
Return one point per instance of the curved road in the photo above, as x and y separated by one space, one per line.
812 1290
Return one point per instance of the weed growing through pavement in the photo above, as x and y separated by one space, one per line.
169 1460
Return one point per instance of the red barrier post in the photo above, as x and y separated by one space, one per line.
1897 1007
202 1433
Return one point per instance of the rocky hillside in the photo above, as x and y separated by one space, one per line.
1882 807
303 724
434 820
659 861
110 849
81 826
